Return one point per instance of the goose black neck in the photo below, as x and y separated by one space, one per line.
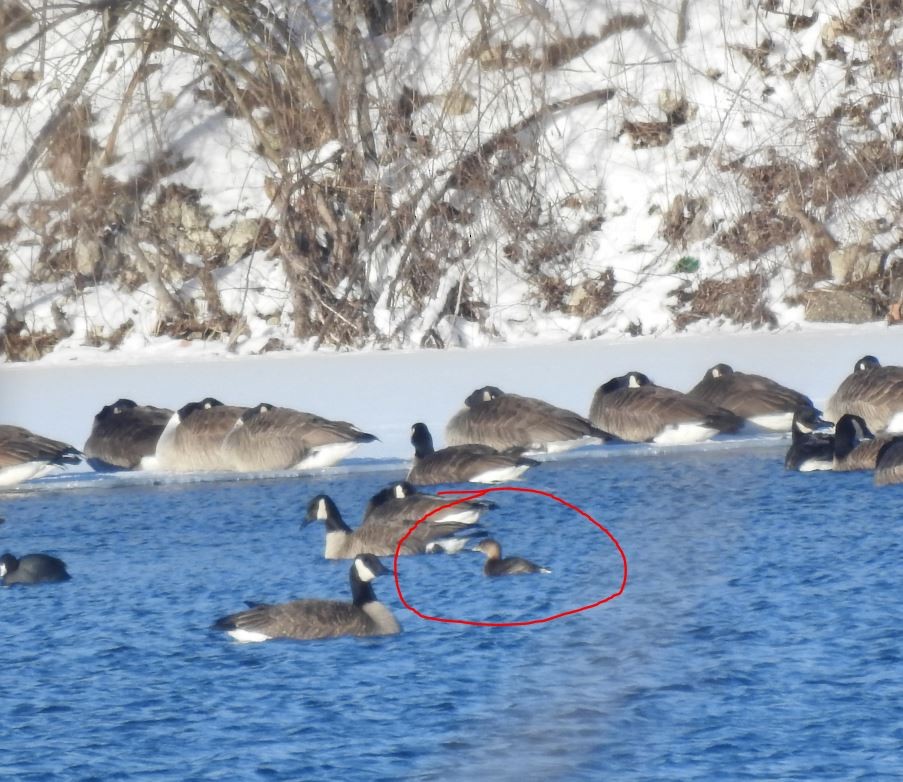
361 591
334 521
423 443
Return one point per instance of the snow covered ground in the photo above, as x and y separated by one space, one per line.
384 392
716 112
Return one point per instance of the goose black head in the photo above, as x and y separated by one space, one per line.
483 396
848 433
422 440
637 380
367 567
720 370
320 508
866 363
8 563
254 412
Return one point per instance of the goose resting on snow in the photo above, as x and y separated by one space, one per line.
267 437
874 393
193 438
633 408
462 463
25 455
504 421
761 401
124 433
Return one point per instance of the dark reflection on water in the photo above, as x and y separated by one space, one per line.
758 636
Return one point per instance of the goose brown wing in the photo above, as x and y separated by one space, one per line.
863 457
461 463
890 462
18 446
749 395
874 401
265 442
639 414
515 421
197 441
312 429
415 506
382 538
122 440
303 619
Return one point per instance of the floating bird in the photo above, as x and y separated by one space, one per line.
267 437
123 434
855 447
809 449
509 566
760 400
462 463
889 466
381 539
193 438
633 408
25 455
873 392
400 502
503 421
310 619
31 569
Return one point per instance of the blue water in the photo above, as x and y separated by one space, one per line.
758 636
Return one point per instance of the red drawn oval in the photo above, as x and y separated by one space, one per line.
471 494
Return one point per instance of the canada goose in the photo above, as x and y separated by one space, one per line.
760 400
193 437
873 392
509 566
889 467
31 569
809 449
279 438
342 542
855 447
633 408
25 455
462 463
310 619
123 434
492 417
401 502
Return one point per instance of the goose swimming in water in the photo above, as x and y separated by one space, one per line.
809 449
504 421
310 619
25 455
508 566
763 402
31 569
874 393
381 539
123 434
855 447
400 502
193 438
633 408
461 463
267 437
889 465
